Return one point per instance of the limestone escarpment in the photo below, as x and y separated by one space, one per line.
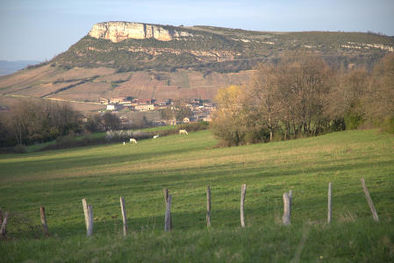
130 46
119 31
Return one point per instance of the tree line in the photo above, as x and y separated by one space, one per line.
301 95
31 121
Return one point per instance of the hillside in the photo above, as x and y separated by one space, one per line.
9 67
135 46
186 165
157 61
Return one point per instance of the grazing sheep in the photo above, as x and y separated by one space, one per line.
124 143
183 132
132 140
156 136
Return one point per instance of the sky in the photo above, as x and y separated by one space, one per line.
41 29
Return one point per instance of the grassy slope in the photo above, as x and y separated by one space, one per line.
186 164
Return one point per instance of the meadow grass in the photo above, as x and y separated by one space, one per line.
186 165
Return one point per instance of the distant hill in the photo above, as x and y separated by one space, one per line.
9 67
135 46
162 61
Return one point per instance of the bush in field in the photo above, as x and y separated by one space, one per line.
194 126
112 135
20 148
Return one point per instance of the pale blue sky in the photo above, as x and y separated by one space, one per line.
40 29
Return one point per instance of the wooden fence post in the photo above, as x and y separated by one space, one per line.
165 193
208 206
124 216
167 218
286 209
329 212
44 221
369 200
85 212
90 221
4 224
290 200
88 212
243 193
1 216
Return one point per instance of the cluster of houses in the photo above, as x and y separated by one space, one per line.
201 109
119 103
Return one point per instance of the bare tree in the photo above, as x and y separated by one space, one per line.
379 98
345 100
38 121
263 101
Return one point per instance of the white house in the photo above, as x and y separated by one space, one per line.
113 107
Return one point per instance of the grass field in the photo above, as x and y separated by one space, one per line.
186 165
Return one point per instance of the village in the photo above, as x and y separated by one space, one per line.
160 112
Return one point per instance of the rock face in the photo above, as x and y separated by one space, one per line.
119 31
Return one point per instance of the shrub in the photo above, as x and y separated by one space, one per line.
194 126
19 148
65 141
352 121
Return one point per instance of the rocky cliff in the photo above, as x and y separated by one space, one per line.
119 31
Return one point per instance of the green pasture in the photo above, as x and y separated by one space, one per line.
185 165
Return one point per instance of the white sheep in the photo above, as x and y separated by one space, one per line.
183 132
132 140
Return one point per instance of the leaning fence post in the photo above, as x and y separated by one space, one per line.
243 193
44 221
329 212
369 200
4 224
167 218
286 209
208 206
124 216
